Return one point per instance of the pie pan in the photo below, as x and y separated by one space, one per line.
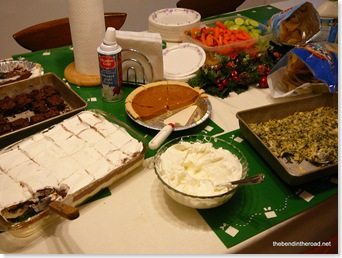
291 173
200 115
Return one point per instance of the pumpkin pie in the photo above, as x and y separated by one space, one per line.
154 99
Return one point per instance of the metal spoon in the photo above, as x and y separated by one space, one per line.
321 158
257 179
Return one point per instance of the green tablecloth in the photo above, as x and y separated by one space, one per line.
260 14
254 208
56 60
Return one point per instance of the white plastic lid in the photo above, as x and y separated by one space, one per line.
110 36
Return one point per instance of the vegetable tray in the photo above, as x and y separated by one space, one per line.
256 44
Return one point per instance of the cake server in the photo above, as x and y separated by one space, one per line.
66 211
61 208
181 118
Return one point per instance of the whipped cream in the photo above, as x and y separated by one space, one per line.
199 168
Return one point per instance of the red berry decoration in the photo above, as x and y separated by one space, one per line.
263 82
225 82
234 73
262 69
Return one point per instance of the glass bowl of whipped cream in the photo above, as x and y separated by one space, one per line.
195 170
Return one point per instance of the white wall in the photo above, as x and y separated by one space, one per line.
18 14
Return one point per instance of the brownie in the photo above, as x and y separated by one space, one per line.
55 101
8 106
51 113
49 90
23 101
44 103
39 95
5 128
40 106
3 120
37 118
19 123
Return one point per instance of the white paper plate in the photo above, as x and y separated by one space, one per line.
180 78
170 22
174 17
183 60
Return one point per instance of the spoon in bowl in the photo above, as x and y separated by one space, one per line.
257 179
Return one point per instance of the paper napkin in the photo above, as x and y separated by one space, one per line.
142 56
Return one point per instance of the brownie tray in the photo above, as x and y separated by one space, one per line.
74 104
288 172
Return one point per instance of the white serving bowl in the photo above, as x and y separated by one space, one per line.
169 22
199 201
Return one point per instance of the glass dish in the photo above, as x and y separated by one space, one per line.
193 201
37 222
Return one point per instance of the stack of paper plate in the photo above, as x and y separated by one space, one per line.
181 62
170 22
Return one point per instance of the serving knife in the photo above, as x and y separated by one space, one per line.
180 118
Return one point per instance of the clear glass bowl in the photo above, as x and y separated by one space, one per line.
193 201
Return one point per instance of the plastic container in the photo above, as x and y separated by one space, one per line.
328 13
255 45
110 63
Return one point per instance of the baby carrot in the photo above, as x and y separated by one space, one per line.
217 32
209 39
221 25
195 32
204 41
241 36
219 35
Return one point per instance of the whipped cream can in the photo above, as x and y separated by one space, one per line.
110 63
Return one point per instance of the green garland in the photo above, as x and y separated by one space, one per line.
235 73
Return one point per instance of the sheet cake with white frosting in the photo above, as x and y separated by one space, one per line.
63 161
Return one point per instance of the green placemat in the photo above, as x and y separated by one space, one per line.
255 208
56 60
260 14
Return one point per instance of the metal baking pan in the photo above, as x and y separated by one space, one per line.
73 102
286 171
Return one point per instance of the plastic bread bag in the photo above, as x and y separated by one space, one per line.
312 68
295 26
